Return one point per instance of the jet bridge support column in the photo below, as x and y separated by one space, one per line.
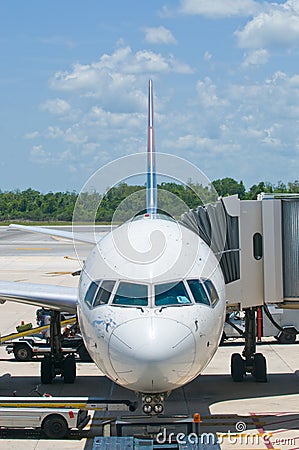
55 363
252 362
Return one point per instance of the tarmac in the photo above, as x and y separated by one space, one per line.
247 415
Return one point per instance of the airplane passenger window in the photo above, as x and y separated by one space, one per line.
167 294
91 292
198 292
104 292
211 291
131 294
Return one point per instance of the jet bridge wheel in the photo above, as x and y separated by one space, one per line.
69 369
259 368
288 336
237 367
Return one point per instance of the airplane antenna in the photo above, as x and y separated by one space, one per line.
151 193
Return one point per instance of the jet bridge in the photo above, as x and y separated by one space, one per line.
257 244
269 251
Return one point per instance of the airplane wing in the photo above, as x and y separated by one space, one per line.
58 233
61 298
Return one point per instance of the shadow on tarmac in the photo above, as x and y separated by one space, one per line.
197 396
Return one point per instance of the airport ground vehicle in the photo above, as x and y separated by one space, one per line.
56 424
24 349
28 342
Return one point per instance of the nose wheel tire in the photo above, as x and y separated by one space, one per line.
69 369
237 367
47 370
259 370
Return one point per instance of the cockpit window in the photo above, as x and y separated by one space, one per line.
211 291
104 292
91 292
198 292
174 293
131 294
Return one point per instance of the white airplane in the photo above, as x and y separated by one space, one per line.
150 300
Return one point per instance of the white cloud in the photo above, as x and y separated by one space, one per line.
75 135
271 107
54 133
58 40
256 58
270 138
106 119
147 61
276 27
242 130
112 77
38 155
55 106
90 148
32 135
219 8
207 93
159 35
218 125
207 56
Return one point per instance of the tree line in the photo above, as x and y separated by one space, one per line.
122 201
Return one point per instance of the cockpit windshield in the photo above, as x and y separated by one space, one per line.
198 291
99 293
131 294
211 291
103 293
174 293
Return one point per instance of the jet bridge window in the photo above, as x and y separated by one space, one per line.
103 293
131 294
198 292
211 291
257 246
170 294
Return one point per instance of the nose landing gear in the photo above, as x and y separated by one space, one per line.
56 363
251 362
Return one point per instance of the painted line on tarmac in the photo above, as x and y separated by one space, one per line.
260 429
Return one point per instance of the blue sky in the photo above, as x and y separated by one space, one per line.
74 80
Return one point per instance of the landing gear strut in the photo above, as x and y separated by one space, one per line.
252 362
56 363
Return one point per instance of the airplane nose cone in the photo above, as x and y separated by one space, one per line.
152 354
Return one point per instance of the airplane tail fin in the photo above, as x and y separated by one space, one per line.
151 188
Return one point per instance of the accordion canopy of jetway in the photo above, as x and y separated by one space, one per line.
220 231
257 245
